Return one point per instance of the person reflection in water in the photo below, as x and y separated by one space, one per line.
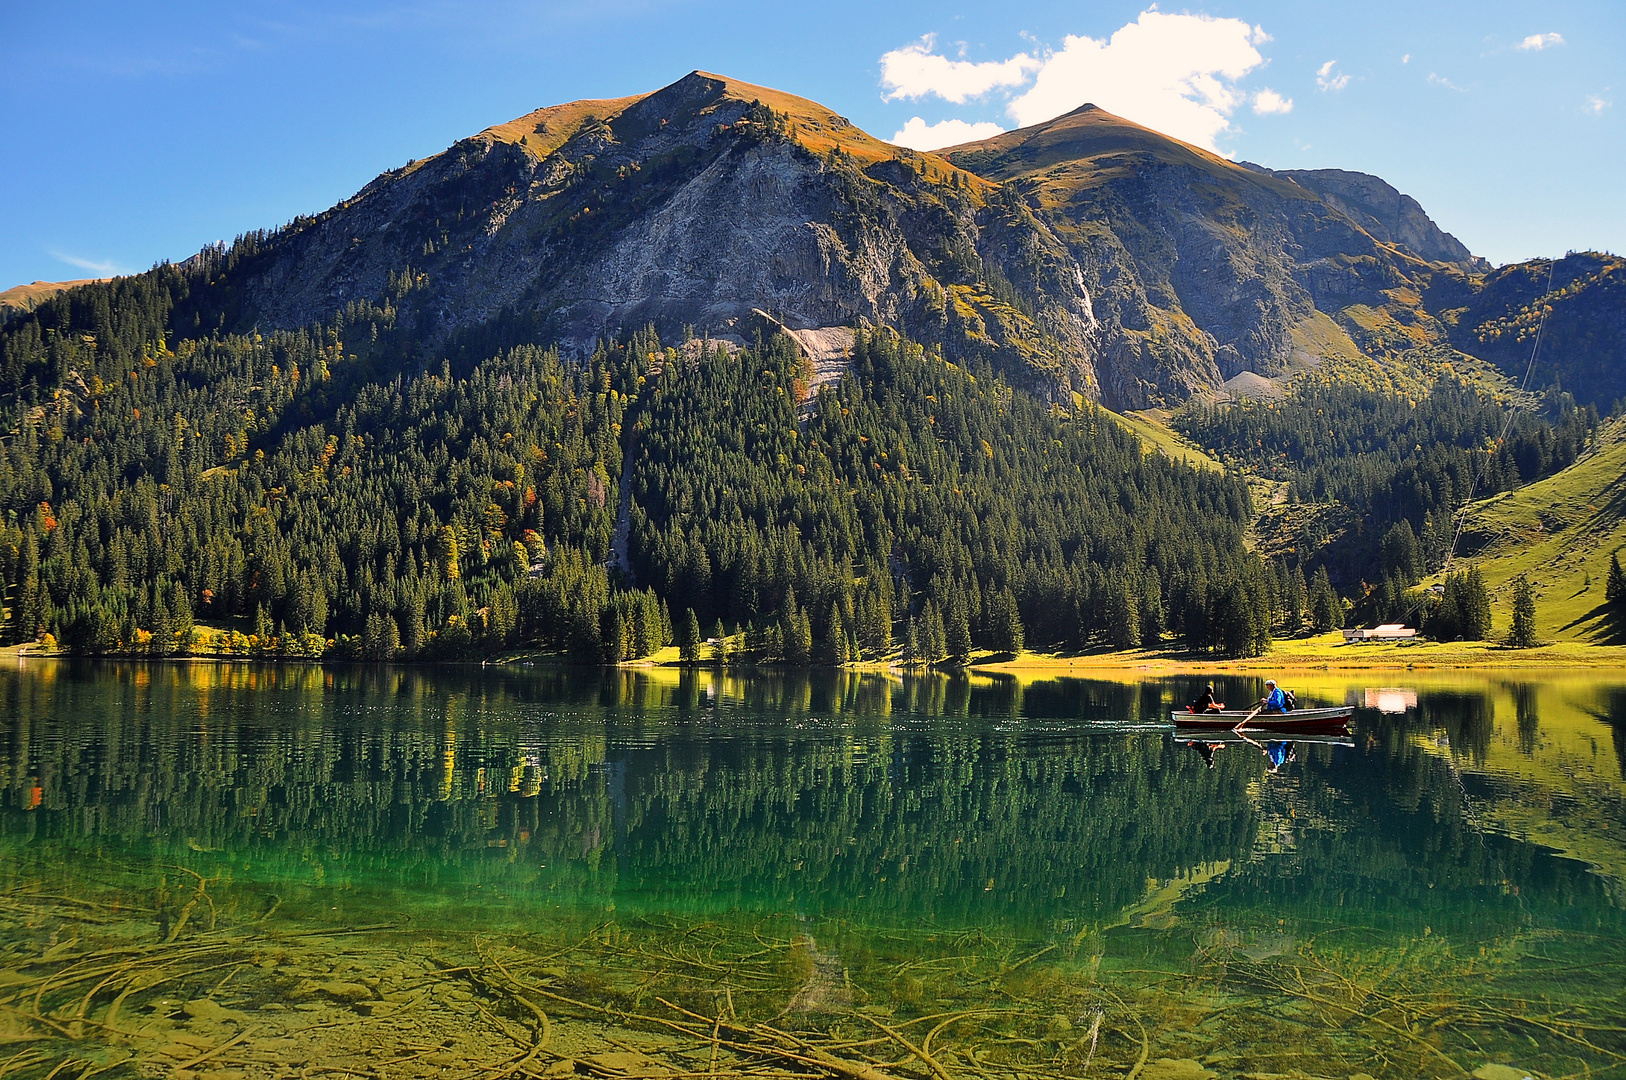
1279 753
1206 751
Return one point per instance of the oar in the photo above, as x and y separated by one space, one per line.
1243 722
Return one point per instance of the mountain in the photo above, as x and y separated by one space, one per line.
1202 269
1084 255
618 371
690 206
1385 213
22 299
1577 306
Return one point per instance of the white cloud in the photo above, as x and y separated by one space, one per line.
915 71
1597 103
1406 59
1266 102
1539 41
1174 73
919 135
1325 79
106 268
1441 80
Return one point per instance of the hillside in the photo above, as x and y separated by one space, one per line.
1560 532
1583 347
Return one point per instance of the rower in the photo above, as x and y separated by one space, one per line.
1274 700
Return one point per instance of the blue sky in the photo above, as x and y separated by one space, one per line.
142 132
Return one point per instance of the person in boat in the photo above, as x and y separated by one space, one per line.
1274 701
1205 702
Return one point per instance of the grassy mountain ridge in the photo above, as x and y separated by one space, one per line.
21 299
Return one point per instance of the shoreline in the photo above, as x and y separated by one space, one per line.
1325 652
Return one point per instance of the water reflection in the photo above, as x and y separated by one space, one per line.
954 799
904 824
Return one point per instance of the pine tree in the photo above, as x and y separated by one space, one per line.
1523 635
1614 588
719 645
1326 609
1476 608
689 637
263 629
25 613
163 634
1005 629
1151 609
934 639
911 643
957 630
836 645
1123 614
1293 604
615 634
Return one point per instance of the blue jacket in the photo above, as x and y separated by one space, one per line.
1276 701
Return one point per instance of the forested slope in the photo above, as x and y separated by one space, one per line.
312 492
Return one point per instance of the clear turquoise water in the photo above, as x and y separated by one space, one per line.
1441 894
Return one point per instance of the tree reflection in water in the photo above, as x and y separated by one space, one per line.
803 856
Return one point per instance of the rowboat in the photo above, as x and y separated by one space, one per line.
1306 720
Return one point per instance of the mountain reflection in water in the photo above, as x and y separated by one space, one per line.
1057 814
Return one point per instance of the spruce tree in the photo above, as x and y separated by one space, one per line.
1523 635
1151 609
1326 609
1614 589
1005 624
615 635
1476 608
689 637
957 630
1123 614
934 639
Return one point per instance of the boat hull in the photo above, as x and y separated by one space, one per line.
1330 719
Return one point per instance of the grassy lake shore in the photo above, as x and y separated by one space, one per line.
1323 652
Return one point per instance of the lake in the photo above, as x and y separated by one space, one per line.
214 871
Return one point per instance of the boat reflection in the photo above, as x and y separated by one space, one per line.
1206 742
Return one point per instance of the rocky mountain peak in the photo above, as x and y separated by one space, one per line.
1088 254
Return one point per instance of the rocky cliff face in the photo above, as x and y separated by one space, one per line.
690 207
1203 269
1386 214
